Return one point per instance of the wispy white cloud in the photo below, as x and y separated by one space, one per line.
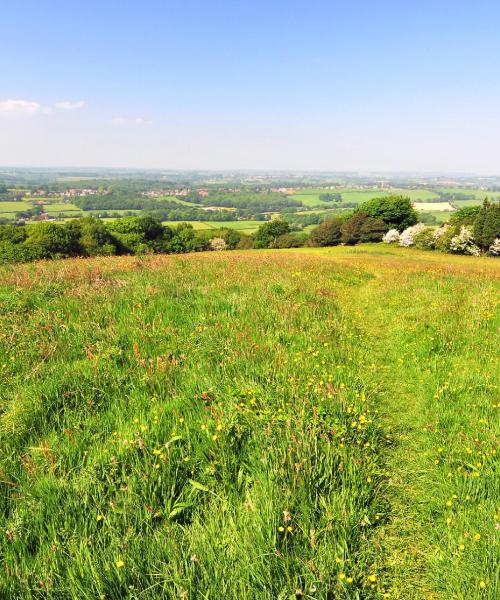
20 107
140 121
16 108
67 105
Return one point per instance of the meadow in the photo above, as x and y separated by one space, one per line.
314 423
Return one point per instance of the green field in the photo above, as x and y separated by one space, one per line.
61 206
442 216
479 194
250 425
311 197
13 207
244 226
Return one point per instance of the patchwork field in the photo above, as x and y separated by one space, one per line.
254 425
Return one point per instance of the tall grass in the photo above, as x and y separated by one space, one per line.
230 425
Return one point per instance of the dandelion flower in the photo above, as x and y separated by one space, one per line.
477 537
482 584
461 547
372 578
120 564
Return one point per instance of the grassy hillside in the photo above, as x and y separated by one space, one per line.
254 425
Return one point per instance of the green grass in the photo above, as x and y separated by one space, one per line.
466 203
442 216
61 207
13 207
254 425
244 226
479 194
310 197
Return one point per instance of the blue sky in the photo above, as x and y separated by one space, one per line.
269 85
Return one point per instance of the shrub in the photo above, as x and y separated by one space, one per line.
494 249
463 242
246 242
290 240
407 237
218 244
328 233
391 237
443 236
424 240
231 237
396 212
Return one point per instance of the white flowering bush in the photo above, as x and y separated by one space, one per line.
407 237
437 233
463 242
391 236
218 243
494 249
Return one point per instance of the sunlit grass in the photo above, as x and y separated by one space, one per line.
249 425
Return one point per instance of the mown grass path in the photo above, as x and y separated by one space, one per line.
429 332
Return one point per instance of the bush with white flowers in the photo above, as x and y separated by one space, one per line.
218 243
391 236
437 233
463 242
407 236
494 249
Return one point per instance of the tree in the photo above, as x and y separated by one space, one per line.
290 240
330 197
95 238
328 233
396 212
267 233
50 240
139 234
486 225
491 229
372 230
351 228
